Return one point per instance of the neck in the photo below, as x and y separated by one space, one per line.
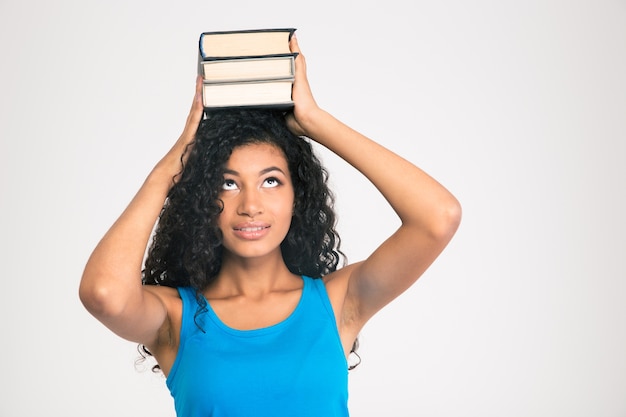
253 277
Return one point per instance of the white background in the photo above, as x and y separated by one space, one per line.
519 108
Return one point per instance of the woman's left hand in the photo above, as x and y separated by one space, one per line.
304 104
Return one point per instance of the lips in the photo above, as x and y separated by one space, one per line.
251 231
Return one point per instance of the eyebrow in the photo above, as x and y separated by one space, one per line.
262 172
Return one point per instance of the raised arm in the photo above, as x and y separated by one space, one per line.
111 287
429 213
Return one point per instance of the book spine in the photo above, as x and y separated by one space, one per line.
226 32
242 57
274 106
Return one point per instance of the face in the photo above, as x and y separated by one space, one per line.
258 201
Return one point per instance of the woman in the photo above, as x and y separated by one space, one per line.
251 314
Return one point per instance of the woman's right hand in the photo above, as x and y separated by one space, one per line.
179 152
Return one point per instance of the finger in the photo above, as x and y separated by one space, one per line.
197 107
294 47
293 44
197 98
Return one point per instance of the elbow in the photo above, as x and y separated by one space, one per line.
99 299
448 219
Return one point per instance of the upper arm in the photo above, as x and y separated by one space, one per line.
393 267
137 317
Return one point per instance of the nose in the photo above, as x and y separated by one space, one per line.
250 203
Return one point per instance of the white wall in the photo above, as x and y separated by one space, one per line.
519 108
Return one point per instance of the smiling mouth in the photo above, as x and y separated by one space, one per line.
251 232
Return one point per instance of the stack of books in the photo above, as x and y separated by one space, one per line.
247 68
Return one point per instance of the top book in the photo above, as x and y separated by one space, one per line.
237 43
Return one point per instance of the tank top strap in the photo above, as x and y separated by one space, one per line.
319 289
191 311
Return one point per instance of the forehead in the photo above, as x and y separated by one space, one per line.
256 155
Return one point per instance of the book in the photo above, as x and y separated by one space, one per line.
264 93
247 68
267 67
251 42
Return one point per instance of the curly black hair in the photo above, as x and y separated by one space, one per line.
186 249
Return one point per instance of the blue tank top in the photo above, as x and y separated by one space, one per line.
295 368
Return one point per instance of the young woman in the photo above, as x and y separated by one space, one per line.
242 300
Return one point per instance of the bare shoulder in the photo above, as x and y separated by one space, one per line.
170 298
337 282
167 295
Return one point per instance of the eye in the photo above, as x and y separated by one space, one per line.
271 182
229 185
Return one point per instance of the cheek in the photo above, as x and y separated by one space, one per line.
282 212
285 207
